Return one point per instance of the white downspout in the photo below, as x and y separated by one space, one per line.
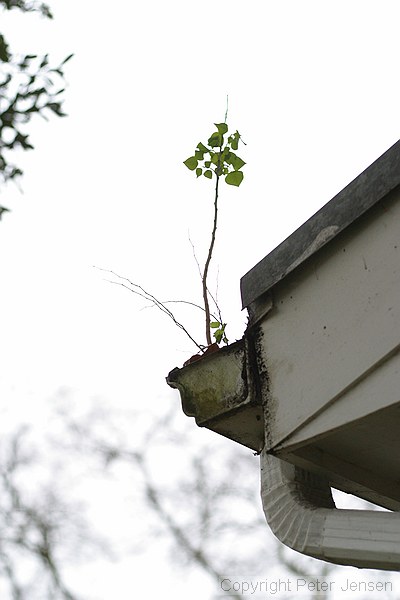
300 511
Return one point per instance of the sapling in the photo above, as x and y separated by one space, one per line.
216 159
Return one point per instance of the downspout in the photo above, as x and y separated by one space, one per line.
300 511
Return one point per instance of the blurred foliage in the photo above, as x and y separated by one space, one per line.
42 531
29 86
24 6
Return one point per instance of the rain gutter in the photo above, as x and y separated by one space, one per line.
301 513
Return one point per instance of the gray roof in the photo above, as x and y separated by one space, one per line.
356 198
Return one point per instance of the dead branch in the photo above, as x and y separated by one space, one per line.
140 291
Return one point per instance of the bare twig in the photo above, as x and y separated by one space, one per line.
140 291
195 257
164 302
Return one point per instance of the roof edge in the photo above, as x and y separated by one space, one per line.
368 188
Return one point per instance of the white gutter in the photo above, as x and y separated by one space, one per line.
300 511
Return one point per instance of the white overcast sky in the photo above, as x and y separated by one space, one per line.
313 89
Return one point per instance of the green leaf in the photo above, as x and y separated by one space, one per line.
191 162
199 155
202 147
225 154
222 127
236 162
235 140
207 163
234 178
199 171
215 324
218 336
215 140
208 174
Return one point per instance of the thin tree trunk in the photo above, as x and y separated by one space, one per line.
210 252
